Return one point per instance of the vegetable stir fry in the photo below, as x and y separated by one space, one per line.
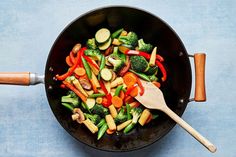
104 77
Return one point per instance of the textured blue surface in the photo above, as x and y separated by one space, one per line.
29 28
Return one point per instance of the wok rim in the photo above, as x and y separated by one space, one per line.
128 7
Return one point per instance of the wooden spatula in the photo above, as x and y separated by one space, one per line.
153 99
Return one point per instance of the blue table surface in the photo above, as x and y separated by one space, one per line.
27 31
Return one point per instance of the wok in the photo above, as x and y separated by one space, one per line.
151 28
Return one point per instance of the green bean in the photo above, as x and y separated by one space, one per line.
87 68
102 65
68 106
102 130
96 95
118 89
85 106
102 121
128 109
141 75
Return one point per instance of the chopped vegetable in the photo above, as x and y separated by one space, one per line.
136 112
90 102
117 63
113 111
100 110
153 57
77 84
92 127
102 130
117 33
130 39
128 109
106 74
121 117
105 45
110 122
91 44
144 116
71 98
118 89
163 70
102 35
142 46
76 48
80 71
123 125
87 68
129 79
139 63
117 101
96 95
93 117
152 70
102 121
117 81
95 54
141 75
68 106
99 100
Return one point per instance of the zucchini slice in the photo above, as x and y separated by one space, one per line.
105 45
90 102
102 35
106 74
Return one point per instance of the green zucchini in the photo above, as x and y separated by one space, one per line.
105 45
106 74
102 35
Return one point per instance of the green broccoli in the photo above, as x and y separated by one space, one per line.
95 54
93 117
100 110
91 44
139 63
130 39
71 98
152 70
142 46
117 62
136 113
121 117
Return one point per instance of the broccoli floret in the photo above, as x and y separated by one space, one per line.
139 63
100 110
71 98
91 44
152 70
136 113
130 39
93 117
95 54
142 46
116 61
121 117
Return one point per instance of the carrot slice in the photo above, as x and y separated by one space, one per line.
80 71
117 101
134 92
109 132
129 79
68 61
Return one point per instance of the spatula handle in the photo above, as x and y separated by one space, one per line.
190 130
199 61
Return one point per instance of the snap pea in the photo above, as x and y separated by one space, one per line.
102 121
102 130
87 68
85 106
141 75
68 106
118 89
117 33
129 128
102 65
128 111
96 95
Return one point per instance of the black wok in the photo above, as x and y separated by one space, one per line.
176 89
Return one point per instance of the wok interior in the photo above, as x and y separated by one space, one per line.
151 29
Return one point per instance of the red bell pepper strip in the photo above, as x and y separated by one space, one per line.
140 86
163 70
90 61
77 92
130 89
103 87
72 69
106 103
144 54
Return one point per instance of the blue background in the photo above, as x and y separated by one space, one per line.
27 31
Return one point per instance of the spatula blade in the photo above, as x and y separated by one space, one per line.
152 98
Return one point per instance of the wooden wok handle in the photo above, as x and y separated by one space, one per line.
199 61
20 78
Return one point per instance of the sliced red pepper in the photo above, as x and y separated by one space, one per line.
130 89
163 70
140 86
108 95
144 54
90 61
126 68
72 69
103 87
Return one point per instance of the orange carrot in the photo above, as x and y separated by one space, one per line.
68 61
122 95
80 71
117 101
157 84
129 79
77 92
134 92
109 132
